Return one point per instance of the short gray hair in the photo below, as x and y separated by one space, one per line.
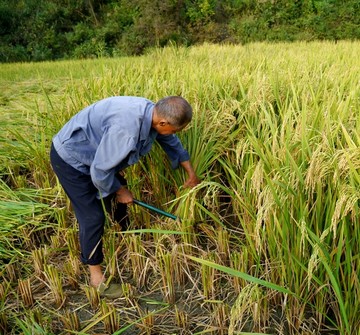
176 110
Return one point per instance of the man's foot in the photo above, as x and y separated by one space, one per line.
96 276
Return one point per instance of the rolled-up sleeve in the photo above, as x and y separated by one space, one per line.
174 149
114 147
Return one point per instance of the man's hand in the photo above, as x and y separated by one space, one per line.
193 179
191 182
124 196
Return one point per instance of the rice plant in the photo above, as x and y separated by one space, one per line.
93 296
54 281
71 321
110 320
26 292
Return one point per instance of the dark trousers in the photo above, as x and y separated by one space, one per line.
89 210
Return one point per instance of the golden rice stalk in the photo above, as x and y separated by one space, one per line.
3 323
40 257
71 321
320 167
25 291
3 290
247 299
165 261
211 197
179 264
11 272
221 318
240 261
110 318
127 291
72 242
75 265
137 258
223 241
264 206
181 318
27 234
189 238
242 147
72 270
56 241
147 321
112 253
53 278
257 179
93 296
304 236
208 279
347 160
314 258
349 197
61 217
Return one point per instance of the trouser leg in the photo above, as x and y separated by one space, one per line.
88 209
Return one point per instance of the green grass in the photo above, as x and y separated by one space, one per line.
268 242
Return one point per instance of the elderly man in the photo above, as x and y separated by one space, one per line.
103 139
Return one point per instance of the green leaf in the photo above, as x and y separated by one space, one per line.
241 275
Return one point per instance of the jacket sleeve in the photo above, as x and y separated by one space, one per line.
113 149
174 149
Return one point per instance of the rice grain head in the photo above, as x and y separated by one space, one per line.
349 197
264 207
314 258
244 302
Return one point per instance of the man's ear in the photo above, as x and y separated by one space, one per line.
163 123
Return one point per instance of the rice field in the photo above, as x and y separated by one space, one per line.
268 243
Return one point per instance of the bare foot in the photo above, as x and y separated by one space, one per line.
96 276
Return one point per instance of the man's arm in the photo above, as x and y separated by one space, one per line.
193 179
178 156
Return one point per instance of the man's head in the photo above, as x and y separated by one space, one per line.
171 114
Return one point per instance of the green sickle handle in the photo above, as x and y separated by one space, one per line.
157 210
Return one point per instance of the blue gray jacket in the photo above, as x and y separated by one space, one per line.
109 136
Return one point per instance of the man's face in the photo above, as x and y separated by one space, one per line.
165 128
